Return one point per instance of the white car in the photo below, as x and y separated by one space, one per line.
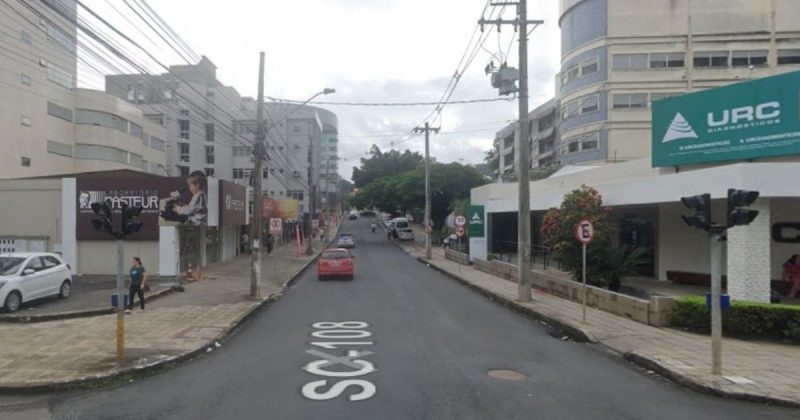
28 276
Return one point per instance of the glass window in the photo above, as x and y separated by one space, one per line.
209 171
590 104
97 152
58 148
666 60
59 111
60 76
630 101
183 128
136 160
183 171
136 131
749 58
183 148
573 73
788 57
210 132
629 61
573 147
209 155
156 143
590 142
60 37
35 263
25 161
10 265
657 96
711 59
589 66
50 262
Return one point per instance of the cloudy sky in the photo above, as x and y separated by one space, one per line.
369 51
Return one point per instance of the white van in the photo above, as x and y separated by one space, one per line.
403 227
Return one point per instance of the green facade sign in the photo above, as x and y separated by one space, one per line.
754 119
476 226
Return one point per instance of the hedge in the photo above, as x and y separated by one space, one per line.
752 320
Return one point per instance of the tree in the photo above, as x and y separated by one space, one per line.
558 230
379 165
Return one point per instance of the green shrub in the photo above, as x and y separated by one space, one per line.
491 257
743 319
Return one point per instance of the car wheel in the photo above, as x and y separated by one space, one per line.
13 301
66 289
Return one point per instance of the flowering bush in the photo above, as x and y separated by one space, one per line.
558 230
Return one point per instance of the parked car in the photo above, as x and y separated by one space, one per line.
353 216
346 240
403 228
336 262
28 276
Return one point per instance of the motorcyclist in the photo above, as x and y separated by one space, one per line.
373 227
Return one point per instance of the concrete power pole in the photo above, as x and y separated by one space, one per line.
427 220
259 153
523 150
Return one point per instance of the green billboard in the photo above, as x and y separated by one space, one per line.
753 119
475 222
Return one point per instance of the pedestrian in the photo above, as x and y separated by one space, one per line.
138 281
270 243
245 243
791 273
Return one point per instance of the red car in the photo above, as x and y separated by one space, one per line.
336 262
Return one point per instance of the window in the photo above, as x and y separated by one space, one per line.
156 143
183 170
663 61
58 148
630 101
630 61
573 73
788 57
209 171
26 37
35 264
59 111
295 194
25 161
146 166
25 79
183 129
210 132
238 173
297 128
749 58
184 113
59 76
136 131
99 118
582 143
131 92
265 173
711 59
589 66
590 142
60 37
209 155
573 147
136 160
590 104
242 151
97 152
578 70
50 262
183 148
26 121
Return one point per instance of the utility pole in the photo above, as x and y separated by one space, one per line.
427 129
259 152
520 24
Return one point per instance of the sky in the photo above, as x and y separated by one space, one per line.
369 51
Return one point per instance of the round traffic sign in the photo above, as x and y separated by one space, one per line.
461 220
584 232
275 225
459 231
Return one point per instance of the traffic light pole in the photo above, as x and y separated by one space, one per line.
121 300
716 292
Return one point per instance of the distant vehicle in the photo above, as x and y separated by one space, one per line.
403 228
28 276
368 214
353 216
336 262
346 240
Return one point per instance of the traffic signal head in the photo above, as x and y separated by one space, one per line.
701 205
102 223
738 216
129 223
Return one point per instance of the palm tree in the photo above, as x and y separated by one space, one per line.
611 264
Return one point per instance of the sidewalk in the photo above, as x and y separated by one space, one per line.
59 354
756 371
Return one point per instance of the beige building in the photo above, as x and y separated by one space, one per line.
47 125
618 56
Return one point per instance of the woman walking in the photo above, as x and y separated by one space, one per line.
137 283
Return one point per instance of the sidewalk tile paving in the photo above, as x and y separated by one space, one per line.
751 369
61 352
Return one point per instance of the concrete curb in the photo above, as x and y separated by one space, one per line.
575 333
22 319
142 371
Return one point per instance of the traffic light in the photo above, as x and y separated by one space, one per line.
738 216
129 223
102 223
701 204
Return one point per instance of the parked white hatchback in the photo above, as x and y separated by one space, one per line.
28 276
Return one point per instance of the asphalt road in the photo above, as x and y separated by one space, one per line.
432 345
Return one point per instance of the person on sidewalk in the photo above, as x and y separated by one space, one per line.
245 243
270 243
791 273
137 283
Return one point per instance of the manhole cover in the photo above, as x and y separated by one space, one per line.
508 375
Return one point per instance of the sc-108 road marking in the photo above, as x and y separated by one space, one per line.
352 360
